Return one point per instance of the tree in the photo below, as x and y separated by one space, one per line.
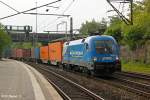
133 36
137 34
115 29
5 40
93 26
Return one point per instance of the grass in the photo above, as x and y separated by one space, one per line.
136 67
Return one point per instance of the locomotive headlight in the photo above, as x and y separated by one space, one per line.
95 58
117 58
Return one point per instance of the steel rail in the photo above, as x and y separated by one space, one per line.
140 86
123 86
64 95
93 95
135 75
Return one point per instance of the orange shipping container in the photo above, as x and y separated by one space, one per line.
55 52
44 54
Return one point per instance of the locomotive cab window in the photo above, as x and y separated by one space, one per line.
86 46
104 46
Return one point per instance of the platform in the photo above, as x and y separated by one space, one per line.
19 81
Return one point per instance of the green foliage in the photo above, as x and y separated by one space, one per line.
133 36
5 40
136 35
93 26
114 29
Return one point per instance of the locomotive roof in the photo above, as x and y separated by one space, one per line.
87 39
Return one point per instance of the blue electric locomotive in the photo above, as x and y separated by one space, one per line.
94 54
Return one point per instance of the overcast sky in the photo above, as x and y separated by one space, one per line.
80 10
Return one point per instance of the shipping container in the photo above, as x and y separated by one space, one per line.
19 53
55 52
32 53
7 53
37 53
44 54
13 53
26 53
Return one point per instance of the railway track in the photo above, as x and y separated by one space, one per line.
68 89
129 85
135 75
105 87
135 86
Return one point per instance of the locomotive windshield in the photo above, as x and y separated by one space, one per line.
104 46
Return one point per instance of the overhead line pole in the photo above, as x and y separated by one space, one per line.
71 28
120 14
35 40
127 21
29 10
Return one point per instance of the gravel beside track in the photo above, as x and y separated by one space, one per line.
107 88
73 90
142 78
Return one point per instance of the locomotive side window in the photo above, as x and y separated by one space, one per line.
104 46
86 46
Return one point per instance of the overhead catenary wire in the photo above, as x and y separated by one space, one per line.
9 6
45 20
29 10
48 14
68 7
127 21
53 7
62 13
50 23
56 18
123 7
33 13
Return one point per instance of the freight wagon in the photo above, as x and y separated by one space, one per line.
19 54
7 53
26 54
13 53
35 54
97 55
44 54
55 53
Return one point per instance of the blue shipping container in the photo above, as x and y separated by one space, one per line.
37 53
